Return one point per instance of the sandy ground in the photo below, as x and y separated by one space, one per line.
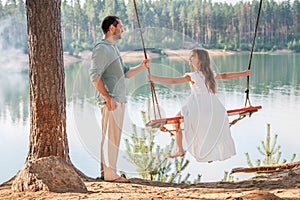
283 185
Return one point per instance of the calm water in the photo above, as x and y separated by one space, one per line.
274 84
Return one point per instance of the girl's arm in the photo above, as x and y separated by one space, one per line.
169 80
229 75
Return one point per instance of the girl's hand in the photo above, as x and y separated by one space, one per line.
247 72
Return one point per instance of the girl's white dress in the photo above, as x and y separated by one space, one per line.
206 125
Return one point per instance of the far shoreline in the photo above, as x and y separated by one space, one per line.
135 56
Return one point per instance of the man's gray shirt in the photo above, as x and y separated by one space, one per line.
107 63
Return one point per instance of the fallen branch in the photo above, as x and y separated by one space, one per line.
266 169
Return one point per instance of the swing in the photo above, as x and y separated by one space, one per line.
247 111
241 112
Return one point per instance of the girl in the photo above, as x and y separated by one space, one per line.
206 123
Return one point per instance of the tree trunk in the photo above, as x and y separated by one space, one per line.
47 91
267 169
48 137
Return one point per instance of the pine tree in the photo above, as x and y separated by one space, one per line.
270 151
228 177
152 161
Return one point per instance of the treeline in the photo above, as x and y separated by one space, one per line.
211 25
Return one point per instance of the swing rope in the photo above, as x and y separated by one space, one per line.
247 101
251 55
242 114
153 92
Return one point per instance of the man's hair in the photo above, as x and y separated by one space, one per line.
107 21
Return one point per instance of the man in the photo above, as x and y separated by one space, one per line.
108 72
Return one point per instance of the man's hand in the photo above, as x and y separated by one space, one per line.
99 85
145 64
135 70
150 77
111 103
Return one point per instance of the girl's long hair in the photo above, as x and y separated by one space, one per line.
205 68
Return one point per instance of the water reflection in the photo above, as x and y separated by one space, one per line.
274 83
275 72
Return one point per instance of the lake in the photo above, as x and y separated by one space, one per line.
274 84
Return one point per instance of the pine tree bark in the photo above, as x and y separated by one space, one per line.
47 91
48 144
267 169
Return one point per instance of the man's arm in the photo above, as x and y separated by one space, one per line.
99 85
135 70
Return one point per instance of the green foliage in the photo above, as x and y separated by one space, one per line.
211 25
151 160
228 177
294 45
270 150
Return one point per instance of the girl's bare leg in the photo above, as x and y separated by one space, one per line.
178 139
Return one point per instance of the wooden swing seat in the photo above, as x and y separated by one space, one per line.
243 111
157 123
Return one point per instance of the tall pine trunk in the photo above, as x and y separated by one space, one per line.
47 89
48 166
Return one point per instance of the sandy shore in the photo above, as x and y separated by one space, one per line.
183 54
129 56
283 185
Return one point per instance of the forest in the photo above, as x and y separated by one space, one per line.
208 24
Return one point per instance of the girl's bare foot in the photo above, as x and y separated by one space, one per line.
177 154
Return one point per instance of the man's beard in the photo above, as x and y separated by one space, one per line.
117 36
